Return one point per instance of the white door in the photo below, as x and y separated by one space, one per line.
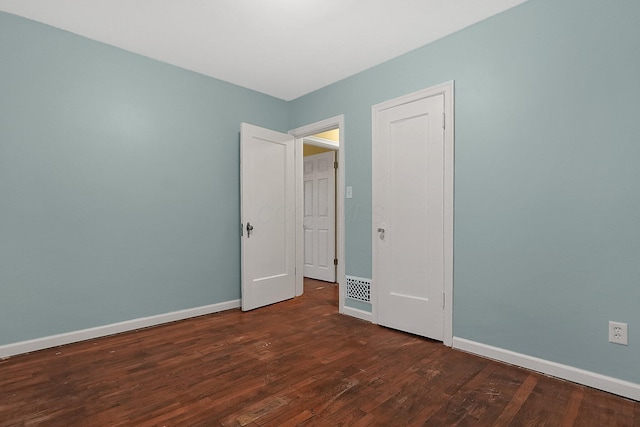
267 216
408 206
319 216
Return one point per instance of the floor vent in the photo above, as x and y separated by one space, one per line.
359 288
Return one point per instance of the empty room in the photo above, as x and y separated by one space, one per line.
460 248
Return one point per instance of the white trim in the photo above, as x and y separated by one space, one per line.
360 314
321 142
114 328
446 89
300 134
580 376
449 162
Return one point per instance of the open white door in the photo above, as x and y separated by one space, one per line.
268 216
319 216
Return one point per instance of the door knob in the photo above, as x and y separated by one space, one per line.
381 231
249 229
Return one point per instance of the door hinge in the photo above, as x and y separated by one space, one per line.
444 120
335 261
335 165
241 230
444 296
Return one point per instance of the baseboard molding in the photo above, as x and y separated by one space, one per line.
360 314
114 328
580 376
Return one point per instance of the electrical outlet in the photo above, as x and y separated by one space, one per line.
618 333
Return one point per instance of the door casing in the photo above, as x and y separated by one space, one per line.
300 133
446 89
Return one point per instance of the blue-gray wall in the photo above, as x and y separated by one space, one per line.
119 188
547 175
118 179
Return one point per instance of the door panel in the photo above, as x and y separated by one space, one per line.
268 216
319 216
409 205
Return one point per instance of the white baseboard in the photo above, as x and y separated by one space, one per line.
114 328
360 314
580 376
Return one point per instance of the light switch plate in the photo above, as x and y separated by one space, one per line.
349 192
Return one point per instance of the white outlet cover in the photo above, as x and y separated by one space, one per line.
618 333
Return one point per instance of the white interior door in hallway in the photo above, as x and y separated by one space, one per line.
268 216
319 216
410 205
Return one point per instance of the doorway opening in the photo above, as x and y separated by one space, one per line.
319 205
317 139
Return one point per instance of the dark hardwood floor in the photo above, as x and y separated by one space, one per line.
294 363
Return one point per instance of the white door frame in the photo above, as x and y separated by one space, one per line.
445 89
300 133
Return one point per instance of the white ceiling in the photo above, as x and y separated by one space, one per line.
284 48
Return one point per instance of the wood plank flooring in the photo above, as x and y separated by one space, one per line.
297 363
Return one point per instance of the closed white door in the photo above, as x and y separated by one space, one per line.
408 209
319 216
267 216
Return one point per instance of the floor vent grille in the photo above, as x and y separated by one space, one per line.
359 288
